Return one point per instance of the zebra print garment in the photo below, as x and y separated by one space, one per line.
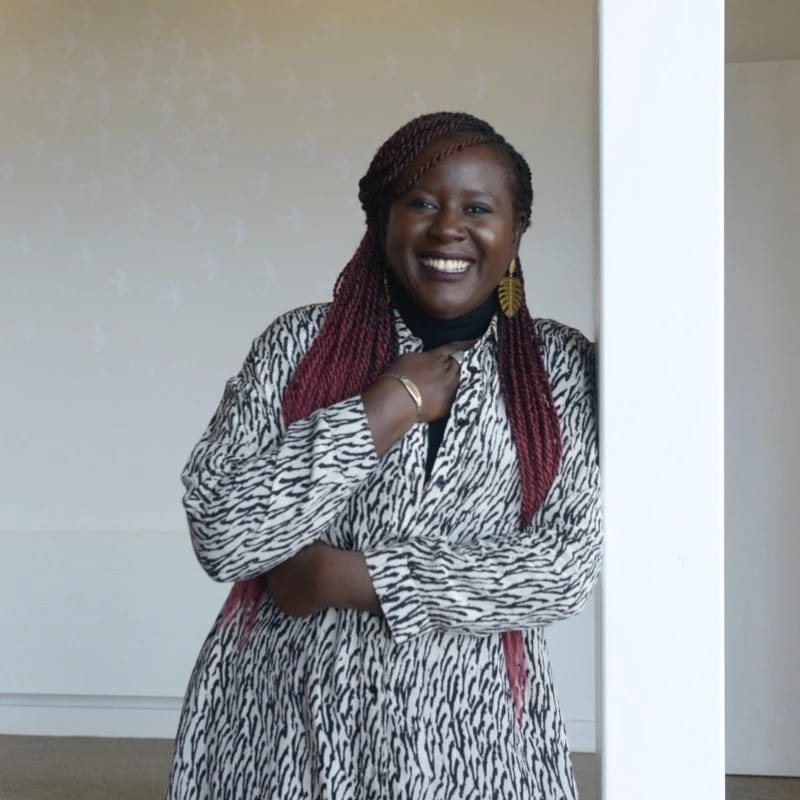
344 705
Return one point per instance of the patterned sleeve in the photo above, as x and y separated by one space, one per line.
518 580
257 493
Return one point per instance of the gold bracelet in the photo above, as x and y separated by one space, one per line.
411 388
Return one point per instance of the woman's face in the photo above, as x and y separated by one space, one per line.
451 237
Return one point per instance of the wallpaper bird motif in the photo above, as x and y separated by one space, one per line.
175 174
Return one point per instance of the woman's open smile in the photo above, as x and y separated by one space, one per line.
445 265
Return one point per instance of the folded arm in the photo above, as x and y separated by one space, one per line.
509 580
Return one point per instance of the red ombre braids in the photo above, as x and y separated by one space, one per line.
358 338
353 348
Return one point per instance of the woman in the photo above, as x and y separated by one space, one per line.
404 486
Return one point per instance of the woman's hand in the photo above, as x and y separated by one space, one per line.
390 409
321 577
436 375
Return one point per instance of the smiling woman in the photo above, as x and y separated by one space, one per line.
404 485
452 235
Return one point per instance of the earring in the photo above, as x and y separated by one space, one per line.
509 291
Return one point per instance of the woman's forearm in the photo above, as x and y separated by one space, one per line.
320 577
390 413
347 582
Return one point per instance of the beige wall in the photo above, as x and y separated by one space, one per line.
762 394
762 30
762 293
173 175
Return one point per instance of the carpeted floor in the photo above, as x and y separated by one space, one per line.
56 768
48 768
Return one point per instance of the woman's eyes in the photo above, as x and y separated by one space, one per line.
420 203
473 208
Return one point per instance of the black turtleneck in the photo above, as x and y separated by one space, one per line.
435 332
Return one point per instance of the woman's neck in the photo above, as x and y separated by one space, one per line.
434 331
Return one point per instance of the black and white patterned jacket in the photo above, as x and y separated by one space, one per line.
416 705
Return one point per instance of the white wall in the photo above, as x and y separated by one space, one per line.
762 296
172 177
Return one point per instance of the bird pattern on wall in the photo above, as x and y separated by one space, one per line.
174 175
158 151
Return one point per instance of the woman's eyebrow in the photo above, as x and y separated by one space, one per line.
421 187
483 193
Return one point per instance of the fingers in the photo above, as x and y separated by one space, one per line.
452 347
453 353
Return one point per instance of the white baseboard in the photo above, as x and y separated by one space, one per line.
112 717
141 718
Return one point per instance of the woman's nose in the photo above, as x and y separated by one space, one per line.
447 224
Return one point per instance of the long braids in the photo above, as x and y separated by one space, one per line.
353 348
358 338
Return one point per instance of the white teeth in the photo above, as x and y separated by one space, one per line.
446 264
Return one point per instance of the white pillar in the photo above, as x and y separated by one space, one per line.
661 646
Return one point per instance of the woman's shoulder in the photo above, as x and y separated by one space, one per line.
567 353
291 333
556 336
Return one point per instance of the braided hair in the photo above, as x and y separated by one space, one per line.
358 339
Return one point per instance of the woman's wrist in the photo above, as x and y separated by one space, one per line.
410 387
390 411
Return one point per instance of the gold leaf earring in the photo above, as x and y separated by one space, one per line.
509 291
